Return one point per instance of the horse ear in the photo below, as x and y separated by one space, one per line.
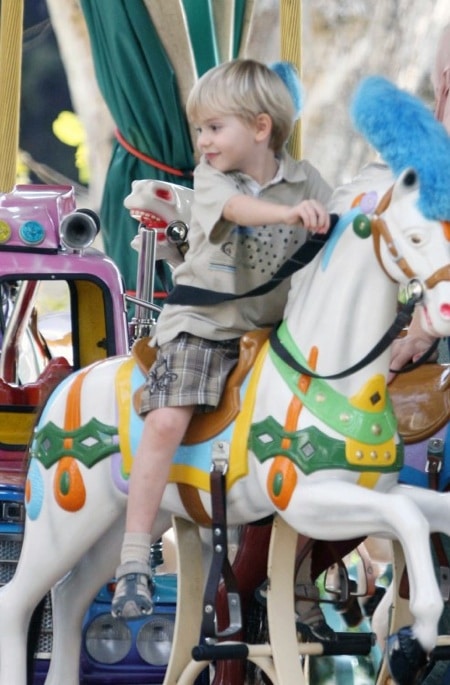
362 226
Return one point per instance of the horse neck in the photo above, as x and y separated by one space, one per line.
343 310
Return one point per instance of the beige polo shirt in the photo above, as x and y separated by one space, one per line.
229 258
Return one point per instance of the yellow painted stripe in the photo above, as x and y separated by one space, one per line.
368 479
191 475
238 448
124 400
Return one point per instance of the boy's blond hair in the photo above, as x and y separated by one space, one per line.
244 88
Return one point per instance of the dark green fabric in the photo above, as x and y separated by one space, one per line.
200 19
203 34
239 13
139 86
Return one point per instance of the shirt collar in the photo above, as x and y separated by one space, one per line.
292 170
289 170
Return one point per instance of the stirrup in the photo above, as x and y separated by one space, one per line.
134 589
311 623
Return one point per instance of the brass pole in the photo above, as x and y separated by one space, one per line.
11 32
291 51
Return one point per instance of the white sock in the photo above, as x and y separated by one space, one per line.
136 547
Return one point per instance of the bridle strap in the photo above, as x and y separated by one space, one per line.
380 230
442 274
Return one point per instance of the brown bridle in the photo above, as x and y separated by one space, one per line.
381 231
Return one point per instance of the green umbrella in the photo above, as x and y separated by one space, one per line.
140 88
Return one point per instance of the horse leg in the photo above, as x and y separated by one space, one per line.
352 511
14 640
53 544
71 597
435 506
18 600
391 615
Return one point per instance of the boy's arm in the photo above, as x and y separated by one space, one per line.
252 211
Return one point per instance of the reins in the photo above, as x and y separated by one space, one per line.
402 319
379 230
187 294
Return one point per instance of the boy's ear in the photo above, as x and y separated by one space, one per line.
263 126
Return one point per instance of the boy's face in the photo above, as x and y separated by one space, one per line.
227 143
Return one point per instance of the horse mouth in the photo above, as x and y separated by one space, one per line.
147 218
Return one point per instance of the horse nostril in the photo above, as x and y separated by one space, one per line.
445 310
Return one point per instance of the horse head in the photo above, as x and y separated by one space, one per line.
409 248
404 202
166 209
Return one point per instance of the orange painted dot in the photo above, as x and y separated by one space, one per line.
282 480
28 490
69 488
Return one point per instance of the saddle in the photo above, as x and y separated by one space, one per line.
421 400
203 427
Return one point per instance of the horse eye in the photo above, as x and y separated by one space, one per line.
416 239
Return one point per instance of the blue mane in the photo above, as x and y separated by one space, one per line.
406 134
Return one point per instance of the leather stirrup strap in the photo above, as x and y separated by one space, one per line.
435 456
193 504
220 565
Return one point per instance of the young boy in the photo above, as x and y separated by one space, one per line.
252 208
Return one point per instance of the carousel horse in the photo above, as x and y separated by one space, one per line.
314 439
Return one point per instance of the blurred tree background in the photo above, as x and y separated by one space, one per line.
45 93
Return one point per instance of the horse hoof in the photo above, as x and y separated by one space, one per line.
405 656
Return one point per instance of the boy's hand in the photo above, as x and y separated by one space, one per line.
312 214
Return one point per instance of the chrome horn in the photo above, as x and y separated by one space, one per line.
79 229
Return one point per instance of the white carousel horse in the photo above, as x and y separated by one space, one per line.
322 454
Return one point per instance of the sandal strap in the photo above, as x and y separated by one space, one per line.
306 592
133 567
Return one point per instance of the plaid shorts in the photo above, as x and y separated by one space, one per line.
189 371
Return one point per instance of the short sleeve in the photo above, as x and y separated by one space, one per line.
212 189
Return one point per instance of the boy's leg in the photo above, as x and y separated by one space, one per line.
162 434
